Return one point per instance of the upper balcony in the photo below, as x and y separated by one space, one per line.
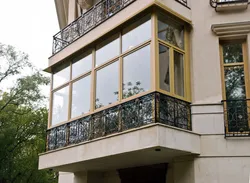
95 16
129 88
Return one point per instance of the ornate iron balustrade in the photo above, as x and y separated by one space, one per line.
183 2
100 12
215 3
148 109
237 118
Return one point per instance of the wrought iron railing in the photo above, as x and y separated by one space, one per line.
215 3
100 12
148 109
183 2
237 118
96 15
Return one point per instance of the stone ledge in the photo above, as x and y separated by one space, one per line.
231 29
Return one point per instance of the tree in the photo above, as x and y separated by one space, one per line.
23 120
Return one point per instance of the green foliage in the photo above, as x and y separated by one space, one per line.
23 121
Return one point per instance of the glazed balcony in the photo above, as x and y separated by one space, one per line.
237 118
152 108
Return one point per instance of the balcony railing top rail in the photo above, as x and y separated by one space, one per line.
151 108
215 3
96 15
237 117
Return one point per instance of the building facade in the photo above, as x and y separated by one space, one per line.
150 91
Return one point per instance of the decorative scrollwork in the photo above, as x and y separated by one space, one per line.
183 2
237 117
87 21
148 109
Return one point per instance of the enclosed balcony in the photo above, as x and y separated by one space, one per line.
133 83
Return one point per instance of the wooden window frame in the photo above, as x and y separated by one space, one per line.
246 68
186 61
153 42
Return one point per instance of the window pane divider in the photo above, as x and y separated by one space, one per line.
171 66
233 64
172 46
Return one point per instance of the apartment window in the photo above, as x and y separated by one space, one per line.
107 50
170 31
136 72
136 33
123 66
107 85
172 62
82 64
81 96
235 85
61 75
104 75
60 105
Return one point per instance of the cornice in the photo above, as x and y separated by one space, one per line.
231 29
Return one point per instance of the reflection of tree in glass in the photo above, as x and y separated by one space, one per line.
131 90
235 84
235 88
128 91
232 53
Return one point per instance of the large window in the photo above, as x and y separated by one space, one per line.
136 72
107 85
235 85
122 66
118 67
172 63
60 105
81 97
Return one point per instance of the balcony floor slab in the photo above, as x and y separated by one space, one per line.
136 147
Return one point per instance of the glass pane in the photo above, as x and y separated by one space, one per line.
61 75
81 65
107 50
81 97
60 105
232 53
164 68
136 33
178 74
170 31
235 83
136 72
107 85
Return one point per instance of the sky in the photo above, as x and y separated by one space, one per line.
29 25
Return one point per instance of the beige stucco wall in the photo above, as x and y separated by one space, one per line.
222 169
206 75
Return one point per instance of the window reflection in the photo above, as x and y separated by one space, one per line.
80 97
107 50
81 65
136 72
60 105
107 85
170 31
232 53
61 75
164 68
136 33
178 74
235 83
